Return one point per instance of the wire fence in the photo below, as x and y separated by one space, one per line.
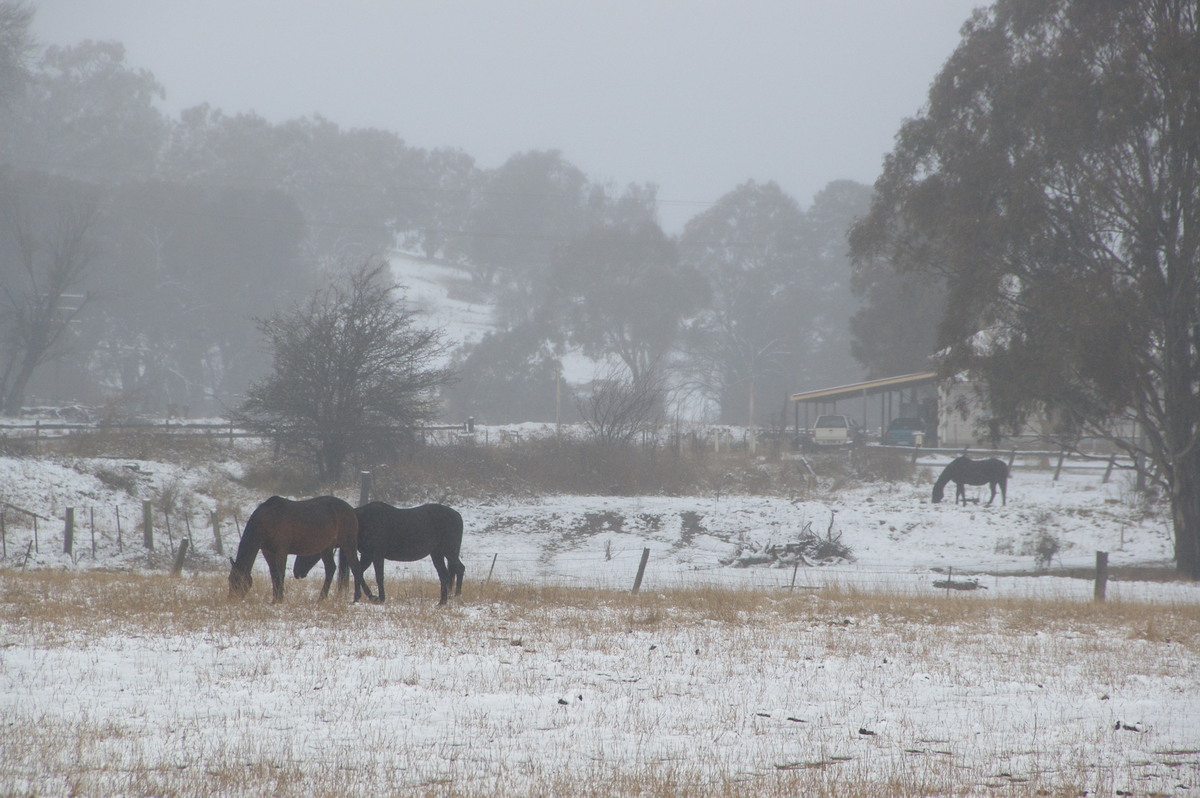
144 535
117 537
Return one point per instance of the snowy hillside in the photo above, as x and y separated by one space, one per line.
445 297
449 301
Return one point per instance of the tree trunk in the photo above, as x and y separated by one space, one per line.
331 458
1185 511
14 397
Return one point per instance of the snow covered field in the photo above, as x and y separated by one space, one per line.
850 678
899 539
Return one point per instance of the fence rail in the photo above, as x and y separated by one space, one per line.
37 429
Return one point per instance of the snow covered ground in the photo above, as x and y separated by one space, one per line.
799 697
898 539
640 697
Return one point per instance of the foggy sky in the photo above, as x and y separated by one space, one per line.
697 97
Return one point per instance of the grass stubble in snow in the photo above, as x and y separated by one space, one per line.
134 684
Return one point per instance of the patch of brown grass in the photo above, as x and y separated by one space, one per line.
72 601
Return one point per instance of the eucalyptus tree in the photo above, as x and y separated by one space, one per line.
747 249
86 114
1053 183
619 290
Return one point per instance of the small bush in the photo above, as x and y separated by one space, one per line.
123 479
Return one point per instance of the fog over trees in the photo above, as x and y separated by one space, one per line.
202 223
1034 227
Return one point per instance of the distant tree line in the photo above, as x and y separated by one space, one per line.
197 226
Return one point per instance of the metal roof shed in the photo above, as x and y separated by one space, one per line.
886 385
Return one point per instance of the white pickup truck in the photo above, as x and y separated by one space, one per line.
836 430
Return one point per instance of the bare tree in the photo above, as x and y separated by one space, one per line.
351 371
620 406
45 250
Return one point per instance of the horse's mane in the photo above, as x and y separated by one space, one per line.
950 471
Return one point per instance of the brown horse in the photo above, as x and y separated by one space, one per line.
965 471
405 535
279 527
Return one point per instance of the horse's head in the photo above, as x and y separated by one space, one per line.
937 493
239 581
304 564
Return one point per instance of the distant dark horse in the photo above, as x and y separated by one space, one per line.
405 535
279 527
965 471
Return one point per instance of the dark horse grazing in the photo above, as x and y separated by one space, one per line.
965 471
279 527
405 535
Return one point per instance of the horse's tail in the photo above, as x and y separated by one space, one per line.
349 537
449 525
343 571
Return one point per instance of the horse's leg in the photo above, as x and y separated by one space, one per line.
458 569
330 568
277 563
358 567
439 562
960 492
343 571
992 498
378 563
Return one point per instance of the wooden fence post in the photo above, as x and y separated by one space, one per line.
69 531
1112 460
1101 576
120 543
637 582
364 487
92 524
489 576
216 525
148 525
177 569
3 535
